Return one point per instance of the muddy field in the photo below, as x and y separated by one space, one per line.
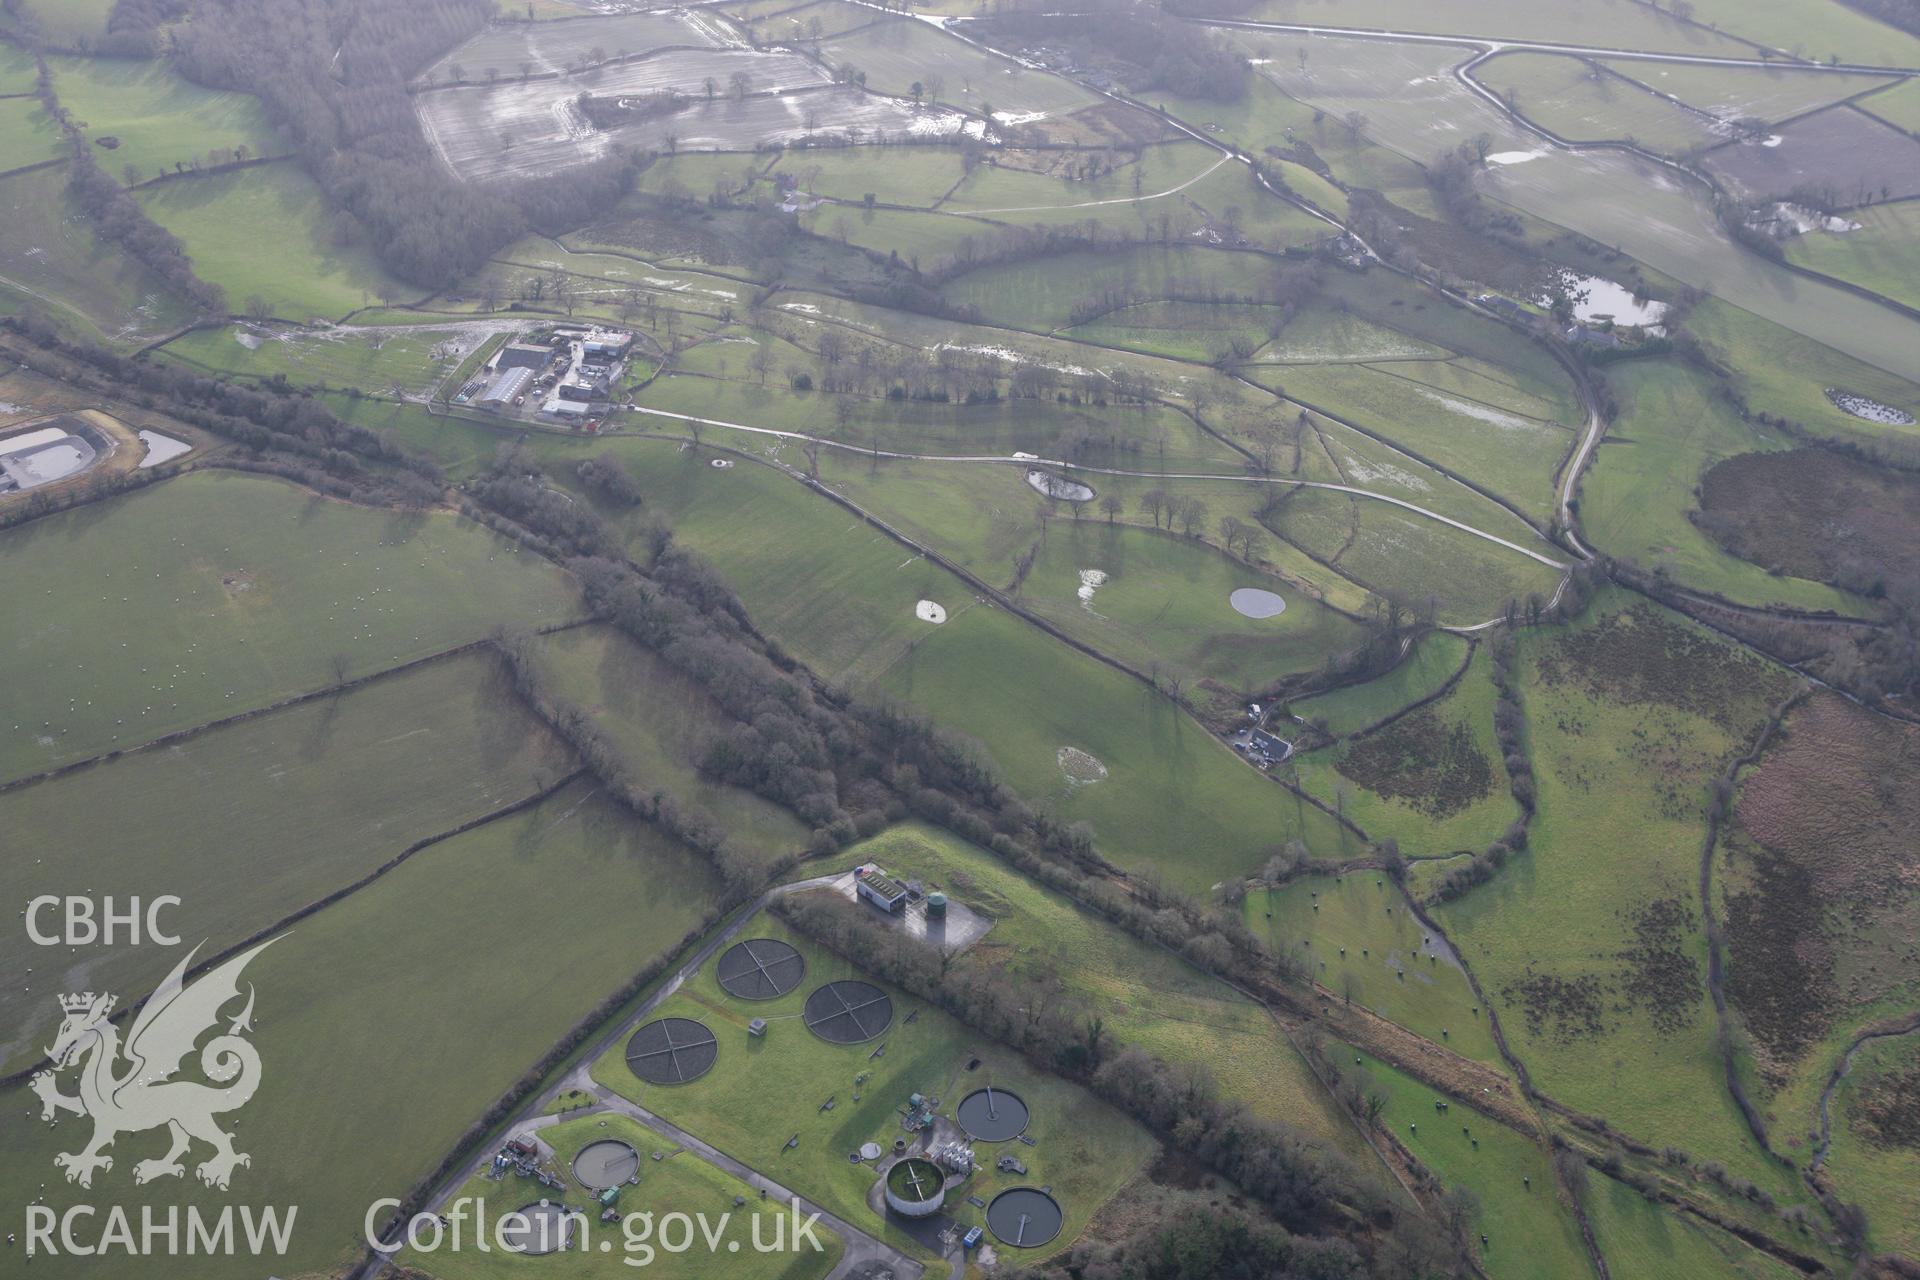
1814 514
1424 762
1823 901
1847 156
534 127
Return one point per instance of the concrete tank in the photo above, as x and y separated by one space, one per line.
916 1188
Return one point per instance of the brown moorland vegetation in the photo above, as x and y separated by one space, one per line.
1814 514
1823 902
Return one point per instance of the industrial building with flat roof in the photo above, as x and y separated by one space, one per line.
510 383
522 355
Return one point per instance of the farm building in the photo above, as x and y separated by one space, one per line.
610 343
880 889
571 410
511 382
521 355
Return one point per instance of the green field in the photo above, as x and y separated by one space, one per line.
681 1182
1433 661
51 258
1432 780
265 233
158 121
28 135
1776 93
1039 296
664 725
74 22
388 1022
1515 1204
411 361
1898 105
1868 1165
251 822
1361 943
1164 602
1592 946
763 1089
1145 996
913 176
1174 802
1640 1242
1567 97
1635 496
1881 254
895 55
214 593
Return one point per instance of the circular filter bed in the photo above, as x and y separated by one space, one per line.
1252 602
547 1230
671 1051
848 1012
992 1115
761 969
1025 1217
606 1163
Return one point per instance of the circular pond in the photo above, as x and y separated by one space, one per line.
1025 1217
606 1163
546 1230
992 1115
1252 602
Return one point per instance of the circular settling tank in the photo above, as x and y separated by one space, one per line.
671 1051
547 1229
1252 602
915 1187
606 1163
761 969
1025 1217
992 1115
848 1011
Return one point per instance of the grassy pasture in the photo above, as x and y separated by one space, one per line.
1174 800
1376 958
1898 105
1868 1164
28 135
517 48
1776 366
215 593
1509 453
1164 600
934 241
224 221
1563 95
159 118
1388 549
1530 1231
1882 254
913 176
1641 1242
1200 331
1776 93
1855 157
1593 947
1635 496
50 255
663 723
680 1183
1814 29
1040 295
784 21
1321 335
1146 996
411 361
488 946
1432 780
897 54
251 822
69 22
1617 24
1433 660
762 1089
18 71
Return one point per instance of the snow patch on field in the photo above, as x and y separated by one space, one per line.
1091 580
1364 472
1481 412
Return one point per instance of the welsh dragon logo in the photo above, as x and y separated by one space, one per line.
130 1089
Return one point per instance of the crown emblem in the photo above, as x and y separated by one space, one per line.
81 1002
